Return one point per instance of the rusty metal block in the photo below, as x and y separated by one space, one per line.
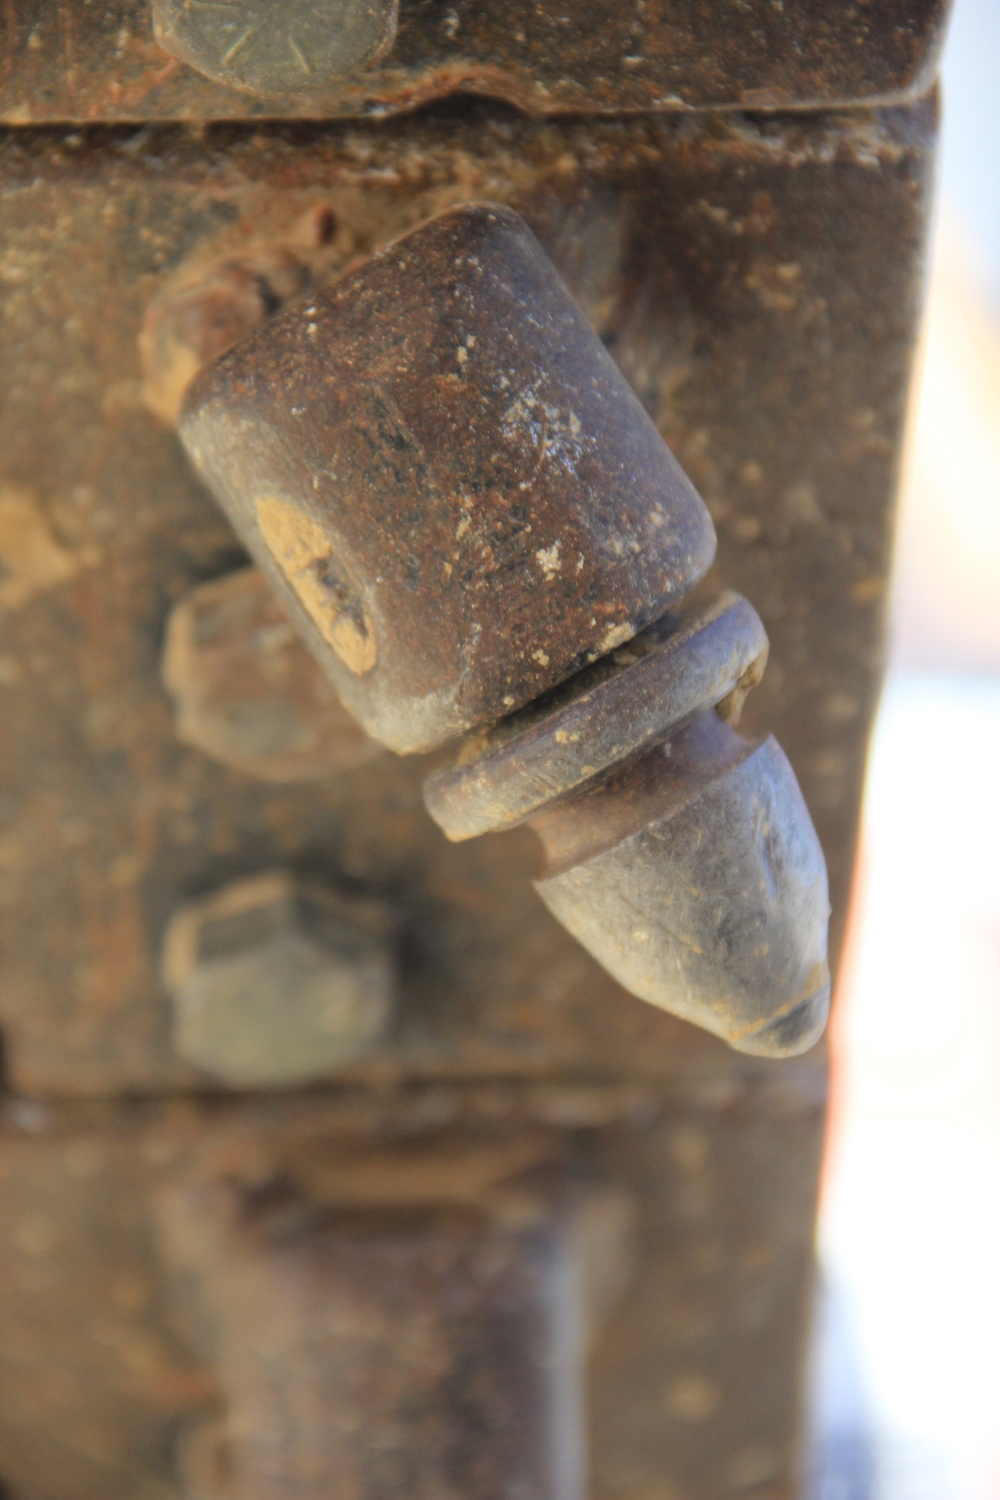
772 345
425 1349
757 279
102 62
131 1238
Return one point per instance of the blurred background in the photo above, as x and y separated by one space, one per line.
907 1378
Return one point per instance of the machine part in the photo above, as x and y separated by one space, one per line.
203 310
695 877
448 480
100 62
756 278
623 705
462 501
680 855
758 283
246 690
276 51
277 983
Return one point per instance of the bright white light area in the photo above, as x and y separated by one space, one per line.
911 1221
909 1403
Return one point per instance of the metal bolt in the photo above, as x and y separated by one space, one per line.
276 50
275 982
465 506
247 691
206 311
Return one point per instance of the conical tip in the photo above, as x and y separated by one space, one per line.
795 1032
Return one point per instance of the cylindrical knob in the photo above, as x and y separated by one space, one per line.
449 479
470 514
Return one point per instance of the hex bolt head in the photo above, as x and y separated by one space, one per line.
275 982
276 51
247 691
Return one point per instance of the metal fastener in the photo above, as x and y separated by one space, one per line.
206 311
246 690
276 51
465 506
275 982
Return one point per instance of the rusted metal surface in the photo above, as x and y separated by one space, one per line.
461 500
120 1324
443 472
757 281
276 983
65 62
277 51
424 1349
248 692
770 340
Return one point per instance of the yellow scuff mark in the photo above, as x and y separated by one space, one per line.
301 548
